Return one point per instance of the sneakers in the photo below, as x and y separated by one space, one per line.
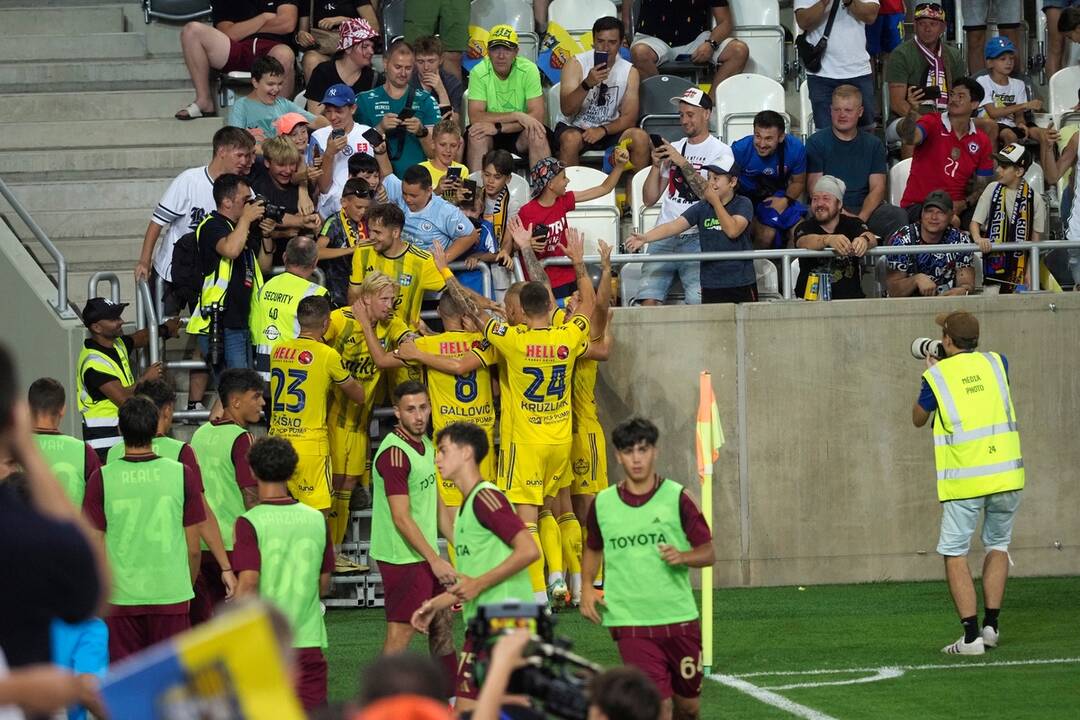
345 566
194 406
559 594
989 636
975 647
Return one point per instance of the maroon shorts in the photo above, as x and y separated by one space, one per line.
669 655
209 590
406 588
465 683
129 634
311 677
242 53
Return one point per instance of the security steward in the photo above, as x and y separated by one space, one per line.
273 316
980 470
234 253
105 379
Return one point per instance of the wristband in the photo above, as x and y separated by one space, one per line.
585 86
447 274
225 570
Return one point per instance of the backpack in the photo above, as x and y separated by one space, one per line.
187 276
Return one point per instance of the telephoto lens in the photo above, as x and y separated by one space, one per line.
924 347
216 336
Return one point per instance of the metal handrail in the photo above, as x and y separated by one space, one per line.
144 306
786 255
61 303
98 277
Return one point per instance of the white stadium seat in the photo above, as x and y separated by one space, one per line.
1036 179
518 14
1062 94
599 218
643 217
768 283
658 115
577 16
757 23
739 98
806 110
898 175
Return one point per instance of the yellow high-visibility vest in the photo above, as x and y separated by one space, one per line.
273 312
976 440
215 285
102 417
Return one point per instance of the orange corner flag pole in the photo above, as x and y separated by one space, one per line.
710 438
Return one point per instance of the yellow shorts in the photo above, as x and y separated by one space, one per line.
310 483
349 451
588 461
535 471
449 492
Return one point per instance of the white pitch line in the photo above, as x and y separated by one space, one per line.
770 698
950 666
882 673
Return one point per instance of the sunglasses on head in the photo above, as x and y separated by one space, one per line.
362 194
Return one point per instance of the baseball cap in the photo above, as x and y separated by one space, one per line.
354 31
929 11
939 199
831 185
543 172
101 309
998 46
959 325
724 166
1013 154
339 95
696 97
288 122
502 36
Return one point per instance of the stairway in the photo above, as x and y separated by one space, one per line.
87 96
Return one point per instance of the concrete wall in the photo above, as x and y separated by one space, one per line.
42 343
823 477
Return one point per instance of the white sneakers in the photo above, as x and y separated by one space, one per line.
976 647
989 636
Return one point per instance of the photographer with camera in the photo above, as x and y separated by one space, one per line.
980 470
234 252
648 527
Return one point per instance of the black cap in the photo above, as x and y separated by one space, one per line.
101 309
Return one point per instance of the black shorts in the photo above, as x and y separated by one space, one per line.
746 293
171 304
608 141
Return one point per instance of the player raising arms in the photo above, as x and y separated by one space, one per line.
493 546
658 632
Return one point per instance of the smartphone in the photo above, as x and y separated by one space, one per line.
600 58
454 173
467 193
931 93
540 230
685 57
657 141
374 137
337 133
405 113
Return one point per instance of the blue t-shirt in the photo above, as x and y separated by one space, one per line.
853 161
927 399
723 273
247 113
472 279
760 173
438 221
404 147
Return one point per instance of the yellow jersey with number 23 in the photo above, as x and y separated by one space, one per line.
302 371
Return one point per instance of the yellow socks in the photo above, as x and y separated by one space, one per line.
536 569
570 529
551 541
339 514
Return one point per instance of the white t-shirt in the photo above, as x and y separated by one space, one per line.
846 55
592 113
676 196
1013 92
330 201
188 199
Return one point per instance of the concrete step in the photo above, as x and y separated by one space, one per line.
125 105
117 254
40 161
43 199
29 5
167 72
61 20
35 48
63 224
59 136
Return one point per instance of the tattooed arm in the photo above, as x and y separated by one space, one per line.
522 237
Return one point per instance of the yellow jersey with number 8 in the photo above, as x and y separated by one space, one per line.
465 398
302 371
540 371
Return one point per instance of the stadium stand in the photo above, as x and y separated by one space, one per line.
658 115
518 14
739 98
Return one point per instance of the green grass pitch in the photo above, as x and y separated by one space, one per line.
856 651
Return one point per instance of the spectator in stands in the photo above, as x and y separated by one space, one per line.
241 33
545 215
403 114
350 65
675 179
294 127
446 142
499 204
316 33
678 31
382 184
722 220
886 33
1008 211
430 76
858 159
931 273
448 18
486 248
340 235
845 60
338 143
430 219
846 235
772 173
1008 16
278 186
233 253
1063 26
925 62
950 154
506 102
258 111
598 103
1006 98
1055 165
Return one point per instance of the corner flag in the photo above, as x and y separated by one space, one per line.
710 438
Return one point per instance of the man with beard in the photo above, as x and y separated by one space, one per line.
847 235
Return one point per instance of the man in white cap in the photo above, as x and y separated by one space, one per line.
677 180
847 236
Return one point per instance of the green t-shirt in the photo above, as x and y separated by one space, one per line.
509 95
66 457
247 113
404 147
908 65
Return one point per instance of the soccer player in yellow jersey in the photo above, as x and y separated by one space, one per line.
347 421
302 371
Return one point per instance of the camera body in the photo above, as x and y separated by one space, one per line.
270 210
924 347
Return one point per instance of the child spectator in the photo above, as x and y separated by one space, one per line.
486 247
446 141
499 204
340 235
1008 211
279 186
257 112
1006 97
295 127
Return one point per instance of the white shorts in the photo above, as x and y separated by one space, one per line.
666 53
